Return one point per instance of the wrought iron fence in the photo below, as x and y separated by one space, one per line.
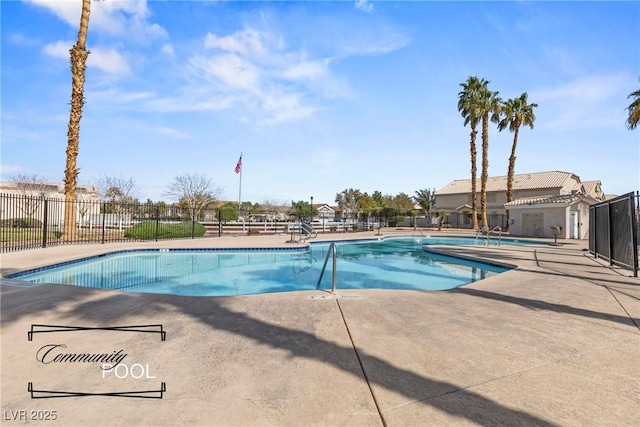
36 222
613 230
28 222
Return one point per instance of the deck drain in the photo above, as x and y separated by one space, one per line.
334 296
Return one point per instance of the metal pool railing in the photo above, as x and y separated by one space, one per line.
488 232
330 252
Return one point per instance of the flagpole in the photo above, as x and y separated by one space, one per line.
240 188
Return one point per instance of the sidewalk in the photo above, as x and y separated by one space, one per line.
555 341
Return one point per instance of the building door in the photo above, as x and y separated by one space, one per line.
574 225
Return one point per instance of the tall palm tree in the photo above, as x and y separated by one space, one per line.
467 106
489 109
634 110
79 55
426 198
515 112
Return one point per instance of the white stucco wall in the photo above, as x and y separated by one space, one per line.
523 226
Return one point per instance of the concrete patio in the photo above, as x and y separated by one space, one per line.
555 341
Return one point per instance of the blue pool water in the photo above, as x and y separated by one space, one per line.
393 263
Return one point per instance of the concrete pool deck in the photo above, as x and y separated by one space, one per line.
555 341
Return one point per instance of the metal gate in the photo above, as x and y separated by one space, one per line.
613 231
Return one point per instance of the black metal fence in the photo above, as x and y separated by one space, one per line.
613 230
28 222
35 222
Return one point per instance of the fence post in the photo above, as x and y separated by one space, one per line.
45 223
219 223
193 228
633 209
104 218
610 232
157 221
593 233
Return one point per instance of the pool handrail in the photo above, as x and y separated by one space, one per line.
499 230
330 251
488 233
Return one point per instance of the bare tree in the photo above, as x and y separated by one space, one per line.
83 207
195 192
33 189
120 193
275 209
117 188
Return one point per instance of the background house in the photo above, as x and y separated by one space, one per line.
26 200
456 197
324 212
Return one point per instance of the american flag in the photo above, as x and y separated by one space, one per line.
239 165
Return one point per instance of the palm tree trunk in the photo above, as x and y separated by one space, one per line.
79 55
474 173
484 177
511 172
512 166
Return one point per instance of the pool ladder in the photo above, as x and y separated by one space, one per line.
497 229
330 252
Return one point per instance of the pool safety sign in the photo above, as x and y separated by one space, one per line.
69 359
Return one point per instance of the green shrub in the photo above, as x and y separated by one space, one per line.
22 223
146 230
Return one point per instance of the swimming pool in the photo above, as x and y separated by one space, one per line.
389 263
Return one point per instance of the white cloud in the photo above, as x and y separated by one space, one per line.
167 49
110 17
311 70
203 101
68 11
232 71
364 5
285 107
117 97
288 115
19 39
584 90
59 49
252 70
108 60
593 100
247 42
373 44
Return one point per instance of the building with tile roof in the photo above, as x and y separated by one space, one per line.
566 216
456 196
528 189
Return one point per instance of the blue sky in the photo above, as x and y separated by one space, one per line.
318 96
